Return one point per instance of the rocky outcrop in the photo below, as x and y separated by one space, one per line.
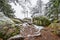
28 31
7 27
5 20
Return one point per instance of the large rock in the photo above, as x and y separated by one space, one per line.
7 27
5 20
56 28
17 20
27 30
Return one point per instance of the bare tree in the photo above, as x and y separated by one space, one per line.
37 9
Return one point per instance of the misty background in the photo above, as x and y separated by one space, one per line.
19 10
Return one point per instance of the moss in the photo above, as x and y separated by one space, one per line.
55 27
44 21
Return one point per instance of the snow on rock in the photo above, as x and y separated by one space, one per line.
30 30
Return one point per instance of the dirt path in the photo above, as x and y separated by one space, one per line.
45 35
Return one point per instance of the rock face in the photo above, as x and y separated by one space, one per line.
5 20
29 30
6 26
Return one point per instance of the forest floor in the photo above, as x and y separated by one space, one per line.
46 34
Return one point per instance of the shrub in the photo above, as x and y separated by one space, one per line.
42 20
55 27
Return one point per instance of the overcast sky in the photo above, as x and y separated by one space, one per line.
18 8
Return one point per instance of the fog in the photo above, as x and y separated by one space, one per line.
18 9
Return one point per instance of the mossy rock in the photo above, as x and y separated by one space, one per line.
7 32
7 27
17 21
55 27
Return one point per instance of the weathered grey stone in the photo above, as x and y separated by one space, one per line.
4 18
5 22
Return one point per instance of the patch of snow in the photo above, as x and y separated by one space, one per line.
39 27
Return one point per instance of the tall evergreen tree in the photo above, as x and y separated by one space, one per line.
53 9
6 8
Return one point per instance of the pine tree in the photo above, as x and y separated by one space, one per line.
6 8
53 7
